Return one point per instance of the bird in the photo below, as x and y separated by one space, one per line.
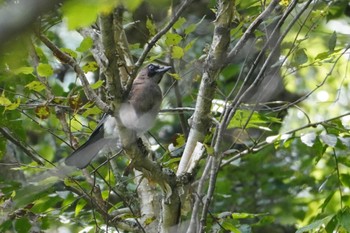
137 113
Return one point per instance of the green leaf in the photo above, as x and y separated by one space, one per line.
80 205
44 70
151 27
332 224
172 39
191 28
24 70
327 200
251 119
70 52
81 13
300 57
175 76
35 86
229 224
4 101
177 52
13 105
97 84
90 66
85 44
344 219
189 45
332 41
91 111
244 215
314 225
345 179
178 24
22 225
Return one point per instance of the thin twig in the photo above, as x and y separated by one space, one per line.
157 36
25 148
250 30
65 58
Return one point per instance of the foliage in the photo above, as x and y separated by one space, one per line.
280 163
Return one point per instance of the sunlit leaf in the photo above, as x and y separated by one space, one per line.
172 39
251 119
80 13
178 24
345 179
192 27
85 44
229 224
70 52
177 52
308 139
36 86
4 101
91 111
175 76
329 139
189 45
24 70
90 66
80 205
44 70
75 125
97 84
42 112
13 105
151 27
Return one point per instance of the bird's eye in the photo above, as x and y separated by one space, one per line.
151 67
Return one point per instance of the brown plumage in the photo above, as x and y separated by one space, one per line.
137 113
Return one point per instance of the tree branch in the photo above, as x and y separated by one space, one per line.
249 32
65 58
157 36
26 149
212 67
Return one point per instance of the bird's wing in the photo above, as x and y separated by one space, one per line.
85 153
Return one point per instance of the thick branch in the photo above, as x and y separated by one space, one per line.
109 46
212 67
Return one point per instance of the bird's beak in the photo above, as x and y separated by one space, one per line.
163 69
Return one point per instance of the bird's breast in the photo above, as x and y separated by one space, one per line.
142 107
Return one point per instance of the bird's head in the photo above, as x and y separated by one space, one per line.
156 72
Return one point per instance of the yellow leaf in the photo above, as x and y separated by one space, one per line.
4 101
35 86
44 70
172 39
13 106
177 52
42 112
